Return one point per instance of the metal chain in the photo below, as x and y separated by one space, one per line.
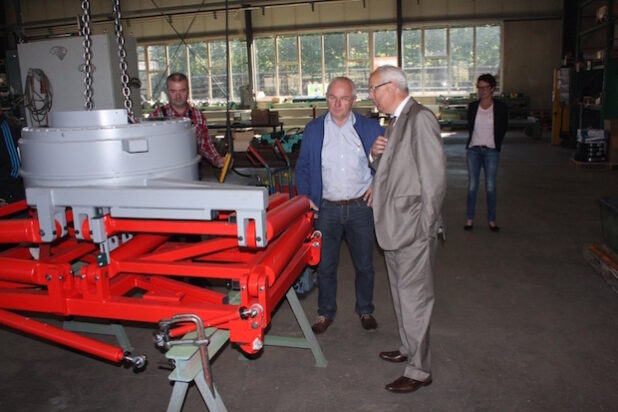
87 53
122 54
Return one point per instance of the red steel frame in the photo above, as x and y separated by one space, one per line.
141 282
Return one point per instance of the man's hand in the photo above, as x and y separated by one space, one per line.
220 162
378 146
368 196
313 207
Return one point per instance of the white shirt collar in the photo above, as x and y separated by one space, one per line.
399 108
351 118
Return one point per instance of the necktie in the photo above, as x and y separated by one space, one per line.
391 123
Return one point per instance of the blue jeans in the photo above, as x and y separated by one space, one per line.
487 159
356 222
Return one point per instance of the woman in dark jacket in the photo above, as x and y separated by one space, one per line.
487 123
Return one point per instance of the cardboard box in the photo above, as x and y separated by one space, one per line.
242 140
260 116
273 118
264 116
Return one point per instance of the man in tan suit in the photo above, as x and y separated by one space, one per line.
408 190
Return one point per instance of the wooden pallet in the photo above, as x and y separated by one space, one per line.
593 165
605 262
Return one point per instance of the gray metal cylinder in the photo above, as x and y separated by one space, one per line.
100 148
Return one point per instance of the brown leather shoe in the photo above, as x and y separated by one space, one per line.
394 356
406 385
321 324
368 322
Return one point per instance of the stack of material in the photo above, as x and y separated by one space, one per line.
591 145
264 117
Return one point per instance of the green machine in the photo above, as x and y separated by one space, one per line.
290 139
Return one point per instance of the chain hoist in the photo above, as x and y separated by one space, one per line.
122 55
87 53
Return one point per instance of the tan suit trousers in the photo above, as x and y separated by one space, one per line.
410 271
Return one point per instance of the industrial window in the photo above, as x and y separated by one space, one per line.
359 65
334 56
157 70
287 55
218 69
461 59
385 48
448 60
311 65
487 50
204 63
436 60
177 58
239 69
412 51
142 67
265 66
200 71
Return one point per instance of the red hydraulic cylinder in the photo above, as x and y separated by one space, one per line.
113 226
19 270
279 254
54 334
277 199
279 219
19 230
13 208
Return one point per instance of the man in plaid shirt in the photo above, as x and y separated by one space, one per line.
177 89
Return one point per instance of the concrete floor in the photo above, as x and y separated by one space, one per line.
521 322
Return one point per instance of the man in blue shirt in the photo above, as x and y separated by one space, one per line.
333 171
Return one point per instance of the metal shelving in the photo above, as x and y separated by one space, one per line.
595 79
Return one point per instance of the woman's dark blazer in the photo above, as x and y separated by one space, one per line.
501 120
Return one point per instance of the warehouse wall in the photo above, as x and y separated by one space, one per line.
531 52
532 28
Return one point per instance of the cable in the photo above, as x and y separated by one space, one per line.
38 101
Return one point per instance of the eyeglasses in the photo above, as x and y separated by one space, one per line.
343 99
372 89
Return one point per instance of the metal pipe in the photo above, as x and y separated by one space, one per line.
11 208
281 251
19 270
114 226
72 340
280 218
20 230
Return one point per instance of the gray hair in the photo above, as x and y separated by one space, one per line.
393 74
343 79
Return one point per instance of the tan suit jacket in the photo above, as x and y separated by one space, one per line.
408 190
410 181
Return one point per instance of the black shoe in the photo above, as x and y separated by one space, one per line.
368 322
393 356
494 228
321 324
406 385
468 228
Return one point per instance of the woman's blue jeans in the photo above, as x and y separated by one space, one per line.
355 220
487 159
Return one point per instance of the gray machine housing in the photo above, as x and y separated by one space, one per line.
96 163
62 61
